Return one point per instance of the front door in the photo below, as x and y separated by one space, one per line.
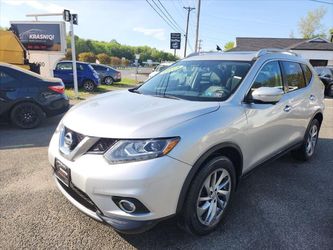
268 125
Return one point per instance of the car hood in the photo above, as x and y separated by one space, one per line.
123 114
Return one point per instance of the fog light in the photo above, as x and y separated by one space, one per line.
127 206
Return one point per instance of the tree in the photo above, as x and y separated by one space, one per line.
103 58
87 57
229 45
310 26
115 61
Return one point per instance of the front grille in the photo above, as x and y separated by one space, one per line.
79 196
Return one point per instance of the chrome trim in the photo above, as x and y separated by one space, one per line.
79 150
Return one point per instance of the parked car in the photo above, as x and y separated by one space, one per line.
87 77
326 76
180 143
26 97
107 74
160 68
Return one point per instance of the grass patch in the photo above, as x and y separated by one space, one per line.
125 83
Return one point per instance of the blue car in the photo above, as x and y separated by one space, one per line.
86 75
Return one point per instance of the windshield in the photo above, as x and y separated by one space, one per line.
197 80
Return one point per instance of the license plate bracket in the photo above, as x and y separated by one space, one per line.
62 172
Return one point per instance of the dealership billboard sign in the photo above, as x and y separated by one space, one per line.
175 40
41 36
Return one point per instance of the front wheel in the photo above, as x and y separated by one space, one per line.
88 85
307 149
209 196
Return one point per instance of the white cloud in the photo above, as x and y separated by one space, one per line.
37 4
158 34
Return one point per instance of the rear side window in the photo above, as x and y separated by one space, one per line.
307 74
97 67
269 76
293 75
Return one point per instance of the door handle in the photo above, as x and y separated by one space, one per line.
312 98
287 108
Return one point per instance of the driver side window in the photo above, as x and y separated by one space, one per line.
269 76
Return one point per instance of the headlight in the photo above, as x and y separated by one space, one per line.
139 150
96 75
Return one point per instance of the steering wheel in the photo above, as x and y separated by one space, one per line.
216 91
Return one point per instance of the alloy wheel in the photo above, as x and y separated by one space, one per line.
312 139
213 197
88 86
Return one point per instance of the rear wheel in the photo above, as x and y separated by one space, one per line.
307 150
88 85
26 115
209 196
108 80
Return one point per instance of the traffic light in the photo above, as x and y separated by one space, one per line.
67 15
74 18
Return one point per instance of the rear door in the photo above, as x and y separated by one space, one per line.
64 70
300 100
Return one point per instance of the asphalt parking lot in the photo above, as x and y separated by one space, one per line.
283 205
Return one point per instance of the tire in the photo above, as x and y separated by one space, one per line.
108 80
198 212
306 151
26 115
88 85
330 90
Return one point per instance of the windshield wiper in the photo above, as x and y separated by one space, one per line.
169 96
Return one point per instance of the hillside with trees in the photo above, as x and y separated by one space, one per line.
115 53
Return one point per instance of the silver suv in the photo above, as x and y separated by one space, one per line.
180 143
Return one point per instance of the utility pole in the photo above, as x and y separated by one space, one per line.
197 29
76 89
200 45
189 9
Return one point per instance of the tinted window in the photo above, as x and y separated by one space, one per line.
327 73
269 76
97 67
65 66
198 80
5 78
307 74
293 75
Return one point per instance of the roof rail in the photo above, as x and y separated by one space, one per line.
265 51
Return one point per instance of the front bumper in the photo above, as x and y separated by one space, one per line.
155 183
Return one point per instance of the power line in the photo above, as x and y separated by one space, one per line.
170 16
319 1
165 16
170 25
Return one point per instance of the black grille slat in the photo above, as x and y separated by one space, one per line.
79 196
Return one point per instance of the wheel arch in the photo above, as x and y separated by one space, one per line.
319 116
227 149
26 100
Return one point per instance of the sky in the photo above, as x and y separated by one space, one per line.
134 22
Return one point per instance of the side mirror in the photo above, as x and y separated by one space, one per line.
267 95
327 76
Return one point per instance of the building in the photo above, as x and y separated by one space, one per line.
318 51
